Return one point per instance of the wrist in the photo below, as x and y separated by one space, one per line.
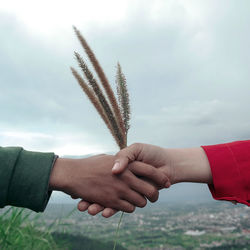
60 174
190 165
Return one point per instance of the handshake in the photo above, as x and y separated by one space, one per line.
108 184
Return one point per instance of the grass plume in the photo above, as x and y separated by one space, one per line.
102 78
123 96
90 94
98 91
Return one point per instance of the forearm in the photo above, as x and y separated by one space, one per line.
189 165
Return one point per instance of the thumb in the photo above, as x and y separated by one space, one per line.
120 165
124 157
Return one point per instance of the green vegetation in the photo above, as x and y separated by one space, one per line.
21 229
17 232
78 242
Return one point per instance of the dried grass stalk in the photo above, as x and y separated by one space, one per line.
123 97
103 79
90 94
108 111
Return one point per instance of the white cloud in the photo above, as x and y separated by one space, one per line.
50 18
186 66
63 144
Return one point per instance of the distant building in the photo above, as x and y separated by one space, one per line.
194 232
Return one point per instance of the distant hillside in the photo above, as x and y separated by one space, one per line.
78 242
85 156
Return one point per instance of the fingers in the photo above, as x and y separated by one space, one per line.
83 205
125 156
108 212
135 198
151 173
125 206
144 188
122 205
168 184
94 209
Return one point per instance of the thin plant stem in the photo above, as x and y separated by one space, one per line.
117 231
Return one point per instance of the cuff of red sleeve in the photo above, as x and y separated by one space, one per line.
227 181
29 185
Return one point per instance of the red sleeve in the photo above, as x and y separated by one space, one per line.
230 166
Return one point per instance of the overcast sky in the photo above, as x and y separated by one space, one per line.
186 64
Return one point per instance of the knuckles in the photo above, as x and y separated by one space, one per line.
164 180
153 194
135 145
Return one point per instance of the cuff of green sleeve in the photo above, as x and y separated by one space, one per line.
29 185
8 157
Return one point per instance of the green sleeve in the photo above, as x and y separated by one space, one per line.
24 178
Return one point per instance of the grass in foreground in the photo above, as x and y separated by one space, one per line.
21 229
17 232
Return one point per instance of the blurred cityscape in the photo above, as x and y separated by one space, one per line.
215 225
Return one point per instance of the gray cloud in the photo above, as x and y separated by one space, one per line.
187 74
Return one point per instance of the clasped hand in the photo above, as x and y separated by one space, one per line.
103 189
150 169
173 165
